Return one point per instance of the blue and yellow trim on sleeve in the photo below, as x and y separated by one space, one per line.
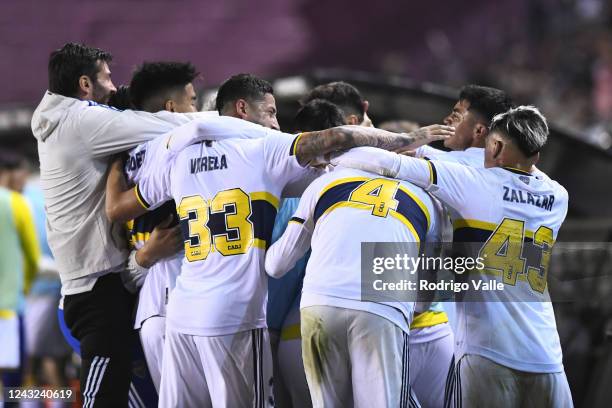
140 198
294 144
433 173
297 220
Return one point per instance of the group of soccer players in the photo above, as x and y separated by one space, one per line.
198 193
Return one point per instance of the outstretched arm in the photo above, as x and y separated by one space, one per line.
282 256
290 247
313 144
452 183
121 201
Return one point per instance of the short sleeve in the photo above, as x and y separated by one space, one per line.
279 158
153 189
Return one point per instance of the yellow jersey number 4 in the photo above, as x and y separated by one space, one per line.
377 193
235 204
503 253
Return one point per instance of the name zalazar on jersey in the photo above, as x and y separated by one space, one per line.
514 195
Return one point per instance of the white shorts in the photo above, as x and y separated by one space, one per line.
220 371
152 334
9 342
429 363
477 381
355 358
290 363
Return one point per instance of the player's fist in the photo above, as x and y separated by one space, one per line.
165 241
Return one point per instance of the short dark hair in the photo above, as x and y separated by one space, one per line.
525 126
486 101
156 79
342 94
242 86
318 114
121 99
69 63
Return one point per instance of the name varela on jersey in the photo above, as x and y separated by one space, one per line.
513 195
208 163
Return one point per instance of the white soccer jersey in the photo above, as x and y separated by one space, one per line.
517 215
142 160
340 210
227 195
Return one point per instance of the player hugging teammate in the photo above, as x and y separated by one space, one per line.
214 200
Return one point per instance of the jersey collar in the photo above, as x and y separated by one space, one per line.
517 171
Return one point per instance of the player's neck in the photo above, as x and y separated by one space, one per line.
522 166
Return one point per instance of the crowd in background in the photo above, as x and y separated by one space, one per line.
560 61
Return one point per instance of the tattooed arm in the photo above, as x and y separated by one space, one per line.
313 144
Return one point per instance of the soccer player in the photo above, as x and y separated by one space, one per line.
508 350
355 352
19 257
156 86
318 114
284 294
227 220
345 96
76 135
247 97
431 338
471 117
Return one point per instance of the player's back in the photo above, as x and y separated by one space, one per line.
227 195
517 216
352 207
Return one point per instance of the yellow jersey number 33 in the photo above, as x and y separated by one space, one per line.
195 210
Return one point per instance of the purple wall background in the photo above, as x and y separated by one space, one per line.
431 41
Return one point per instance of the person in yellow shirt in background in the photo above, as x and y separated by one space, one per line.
19 257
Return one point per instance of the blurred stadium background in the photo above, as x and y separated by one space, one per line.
408 59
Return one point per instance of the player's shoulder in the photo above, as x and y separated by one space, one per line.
345 174
472 156
278 138
557 187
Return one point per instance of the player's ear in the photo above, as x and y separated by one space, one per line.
498 146
366 105
352 120
480 133
242 108
169 105
85 86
